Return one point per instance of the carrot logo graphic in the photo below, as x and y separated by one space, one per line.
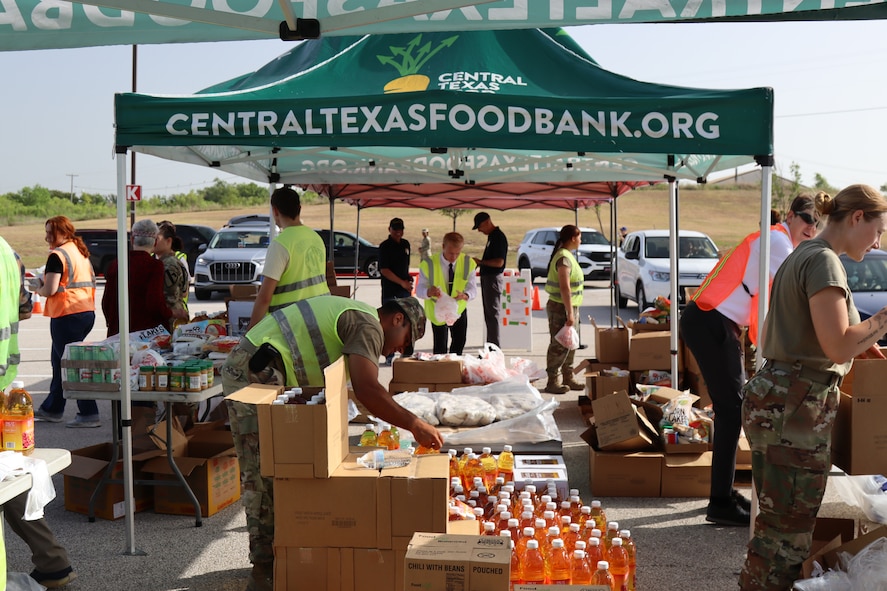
408 61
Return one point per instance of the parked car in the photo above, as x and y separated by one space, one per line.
102 244
644 268
868 283
594 255
237 255
344 249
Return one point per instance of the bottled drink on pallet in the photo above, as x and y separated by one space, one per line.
602 574
558 563
580 568
533 565
628 544
618 559
368 438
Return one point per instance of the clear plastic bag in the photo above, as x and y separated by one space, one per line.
568 337
533 427
446 308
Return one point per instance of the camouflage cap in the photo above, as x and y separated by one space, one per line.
415 313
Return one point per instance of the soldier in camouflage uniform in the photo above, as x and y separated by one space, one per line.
364 335
812 333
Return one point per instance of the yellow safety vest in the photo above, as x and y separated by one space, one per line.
76 291
305 336
433 269
305 274
577 279
10 283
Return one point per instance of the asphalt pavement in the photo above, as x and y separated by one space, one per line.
677 549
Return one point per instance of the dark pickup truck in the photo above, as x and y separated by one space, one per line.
102 244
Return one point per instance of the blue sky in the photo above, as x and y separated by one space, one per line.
831 110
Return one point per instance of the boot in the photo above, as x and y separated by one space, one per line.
569 382
553 387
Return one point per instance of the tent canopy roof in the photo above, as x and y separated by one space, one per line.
469 108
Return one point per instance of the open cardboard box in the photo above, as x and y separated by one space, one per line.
619 426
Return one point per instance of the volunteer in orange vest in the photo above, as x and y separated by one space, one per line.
68 284
711 327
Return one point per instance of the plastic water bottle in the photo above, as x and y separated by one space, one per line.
18 420
368 437
505 463
559 563
580 568
533 565
628 544
602 574
875 484
383 458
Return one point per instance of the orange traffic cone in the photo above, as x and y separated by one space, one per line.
37 307
536 304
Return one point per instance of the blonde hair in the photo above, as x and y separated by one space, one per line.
454 238
853 198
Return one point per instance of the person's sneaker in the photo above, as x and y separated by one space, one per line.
727 513
48 417
56 579
740 500
82 422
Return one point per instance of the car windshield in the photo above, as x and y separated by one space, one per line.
868 275
690 247
594 238
232 238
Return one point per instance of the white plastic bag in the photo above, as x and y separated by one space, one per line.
487 368
464 411
446 308
534 427
568 337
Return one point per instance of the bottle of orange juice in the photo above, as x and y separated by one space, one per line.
18 420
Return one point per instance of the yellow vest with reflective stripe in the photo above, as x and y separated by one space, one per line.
577 279
305 274
434 271
305 336
10 283
76 291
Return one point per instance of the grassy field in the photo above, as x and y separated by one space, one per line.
725 215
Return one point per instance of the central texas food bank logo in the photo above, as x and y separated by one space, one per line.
408 61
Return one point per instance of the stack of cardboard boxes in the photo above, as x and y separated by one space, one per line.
339 526
412 375
859 440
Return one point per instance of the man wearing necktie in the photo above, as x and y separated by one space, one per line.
450 273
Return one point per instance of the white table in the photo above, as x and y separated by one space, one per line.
56 461
168 399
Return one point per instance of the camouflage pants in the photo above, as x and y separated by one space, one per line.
558 357
788 421
257 493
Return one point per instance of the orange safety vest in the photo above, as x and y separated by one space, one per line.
727 276
76 291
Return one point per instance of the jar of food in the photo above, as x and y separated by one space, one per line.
177 378
161 378
146 378
210 376
192 378
204 375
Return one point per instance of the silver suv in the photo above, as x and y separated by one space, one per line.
235 256
594 256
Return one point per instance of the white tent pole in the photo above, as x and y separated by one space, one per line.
614 303
673 276
356 253
125 394
764 272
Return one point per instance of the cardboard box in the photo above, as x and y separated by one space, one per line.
619 427
83 475
643 327
540 476
685 475
828 534
424 372
651 350
244 291
654 413
598 386
398 387
297 440
616 474
318 569
611 344
445 562
361 508
211 469
743 453
340 290
859 441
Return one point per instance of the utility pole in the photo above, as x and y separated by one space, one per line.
72 185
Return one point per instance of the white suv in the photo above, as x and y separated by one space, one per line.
594 254
235 255
644 267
